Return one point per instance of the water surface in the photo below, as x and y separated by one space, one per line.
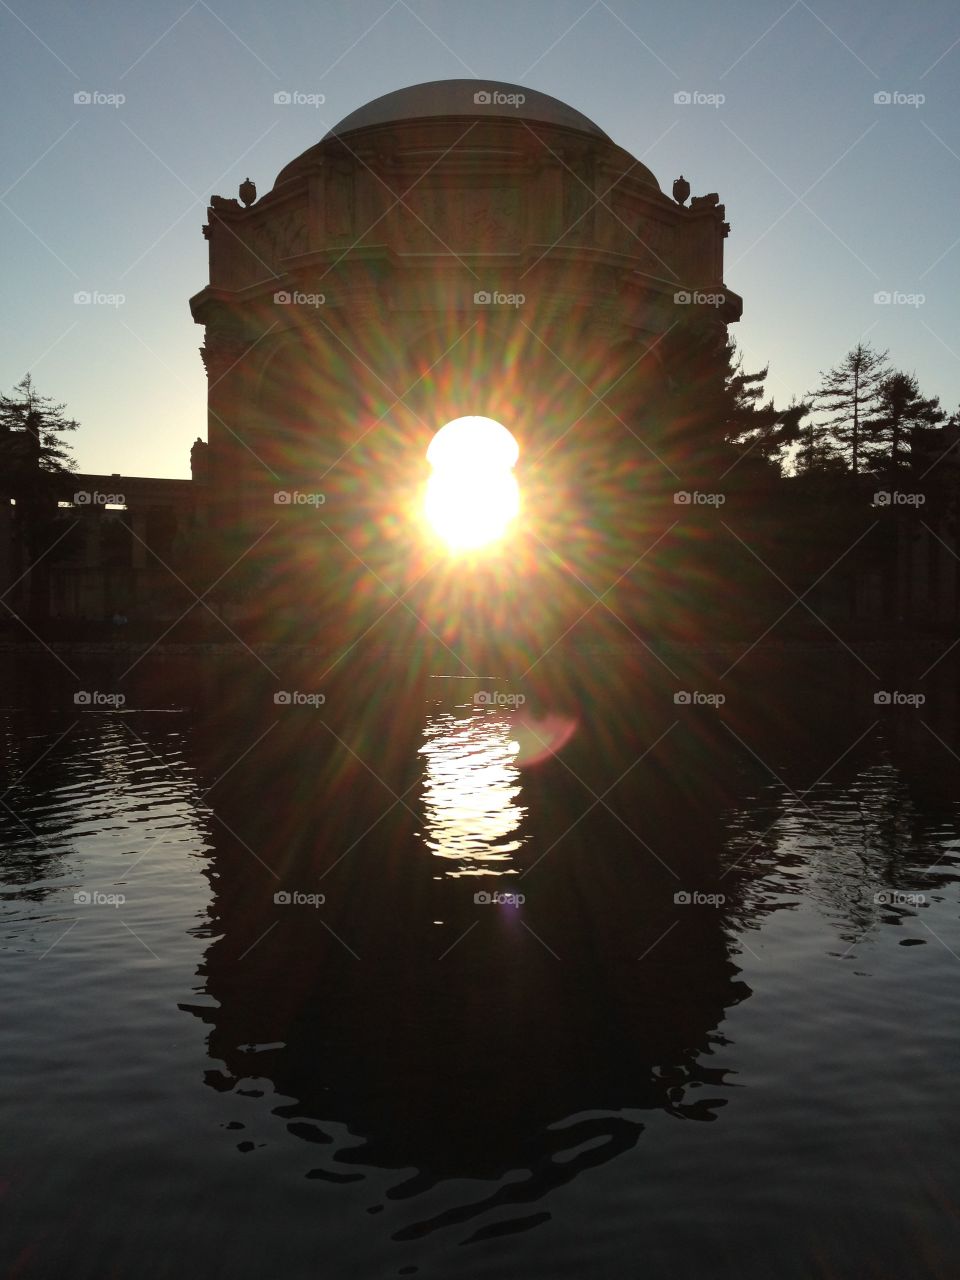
565 979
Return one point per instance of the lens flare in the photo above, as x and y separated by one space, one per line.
472 495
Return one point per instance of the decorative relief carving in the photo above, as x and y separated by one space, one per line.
462 218
220 353
276 236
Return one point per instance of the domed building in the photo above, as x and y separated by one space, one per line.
451 248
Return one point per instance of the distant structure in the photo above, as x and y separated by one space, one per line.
121 534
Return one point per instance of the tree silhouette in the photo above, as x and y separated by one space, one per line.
752 423
31 427
719 410
34 464
849 394
902 409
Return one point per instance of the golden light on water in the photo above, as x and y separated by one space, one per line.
472 496
471 787
473 755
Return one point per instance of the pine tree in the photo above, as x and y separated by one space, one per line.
720 407
902 410
752 424
849 394
34 465
818 452
31 448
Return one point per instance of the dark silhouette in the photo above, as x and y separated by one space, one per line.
901 410
849 394
35 467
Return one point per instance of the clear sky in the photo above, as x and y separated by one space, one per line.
832 197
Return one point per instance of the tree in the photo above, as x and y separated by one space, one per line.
818 454
752 424
34 464
902 410
849 394
31 427
720 407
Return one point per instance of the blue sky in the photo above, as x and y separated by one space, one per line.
832 198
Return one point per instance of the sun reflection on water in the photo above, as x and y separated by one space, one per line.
470 791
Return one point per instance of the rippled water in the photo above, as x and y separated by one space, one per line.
470 790
445 975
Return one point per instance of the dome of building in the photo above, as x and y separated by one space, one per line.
480 99
454 100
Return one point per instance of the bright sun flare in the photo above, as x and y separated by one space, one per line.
472 494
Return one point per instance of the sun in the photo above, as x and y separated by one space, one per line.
472 496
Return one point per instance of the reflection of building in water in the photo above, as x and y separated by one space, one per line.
500 1052
470 791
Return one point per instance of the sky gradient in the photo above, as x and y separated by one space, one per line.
832 197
